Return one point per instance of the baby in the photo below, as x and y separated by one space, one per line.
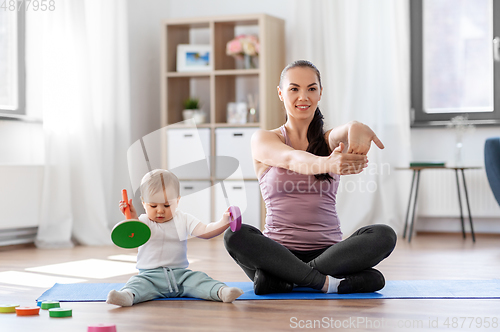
162 261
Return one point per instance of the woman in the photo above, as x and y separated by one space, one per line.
299 166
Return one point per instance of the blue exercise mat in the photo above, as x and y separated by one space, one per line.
394 289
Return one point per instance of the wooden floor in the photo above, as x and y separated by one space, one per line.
429 256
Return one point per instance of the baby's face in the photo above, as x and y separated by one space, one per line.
161 212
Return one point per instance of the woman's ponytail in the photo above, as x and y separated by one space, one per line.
317 143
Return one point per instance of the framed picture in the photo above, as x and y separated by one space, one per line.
194 57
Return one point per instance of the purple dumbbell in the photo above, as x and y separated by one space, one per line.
235 216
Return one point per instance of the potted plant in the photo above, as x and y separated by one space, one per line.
192 110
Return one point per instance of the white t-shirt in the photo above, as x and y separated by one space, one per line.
168 243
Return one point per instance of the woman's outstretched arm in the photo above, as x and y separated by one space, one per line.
267 148
356 136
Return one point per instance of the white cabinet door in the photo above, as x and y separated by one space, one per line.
243 194
186 146
196 199
235 142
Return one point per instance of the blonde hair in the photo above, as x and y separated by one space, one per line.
156 184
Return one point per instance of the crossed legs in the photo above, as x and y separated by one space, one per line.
361 251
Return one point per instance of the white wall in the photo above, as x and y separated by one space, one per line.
144 18
193 8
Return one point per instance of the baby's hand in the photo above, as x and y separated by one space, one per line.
226 217
123 206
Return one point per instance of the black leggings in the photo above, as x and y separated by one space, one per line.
362 250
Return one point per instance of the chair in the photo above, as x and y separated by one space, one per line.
492 164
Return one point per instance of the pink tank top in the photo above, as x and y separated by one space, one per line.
301 212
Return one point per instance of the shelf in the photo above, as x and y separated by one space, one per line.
180 88
224 72
182 126
235 72
188 74
215 125
237 125
216 180
181 23
236 180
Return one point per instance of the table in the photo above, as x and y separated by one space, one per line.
416 179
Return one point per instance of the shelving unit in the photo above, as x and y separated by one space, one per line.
226 81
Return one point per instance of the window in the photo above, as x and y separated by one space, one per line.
455 59
12 80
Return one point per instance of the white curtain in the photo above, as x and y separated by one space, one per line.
77 77
362 50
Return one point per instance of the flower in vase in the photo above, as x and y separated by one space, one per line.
234 47
461 125
243 45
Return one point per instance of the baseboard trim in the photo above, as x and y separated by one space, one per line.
468 234
481 225
15 236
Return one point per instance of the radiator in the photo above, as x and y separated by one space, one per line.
438 195
20 197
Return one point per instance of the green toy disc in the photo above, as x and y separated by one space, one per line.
50 304
130 234
60 312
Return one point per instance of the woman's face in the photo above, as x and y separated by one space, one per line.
300 92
